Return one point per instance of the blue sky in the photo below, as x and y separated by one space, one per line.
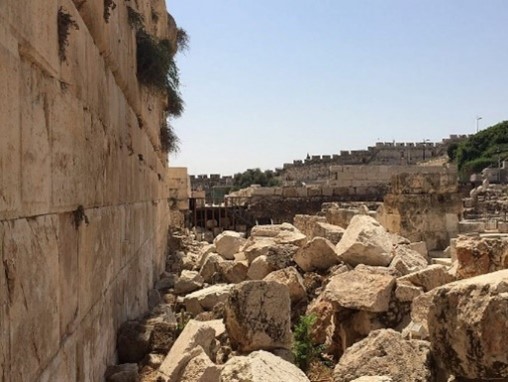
268 81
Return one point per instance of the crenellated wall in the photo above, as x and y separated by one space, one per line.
83 186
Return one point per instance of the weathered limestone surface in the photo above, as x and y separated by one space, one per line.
319 253
261 366
365 241
257 316
384 352
361 289
81 215
476 256
468 324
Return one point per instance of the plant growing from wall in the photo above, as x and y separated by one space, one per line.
303 349
109 5
65 23
157 69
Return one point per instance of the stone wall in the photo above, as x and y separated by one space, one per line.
317 168
423 207
83 186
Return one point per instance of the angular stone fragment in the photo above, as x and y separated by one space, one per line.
284 233
228 243
201 369
211 267
468 326
317 254
429 278
234 272
365 241
477 256
329 231
407 260
259 268
257 316
385 352
361 289
188 281
261 366
292 279
206 299
196 337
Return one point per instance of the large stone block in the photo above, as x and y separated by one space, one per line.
30 255
468 322
10 129
35 140
261 366
258 316
68 273
385 352
37 36
361 289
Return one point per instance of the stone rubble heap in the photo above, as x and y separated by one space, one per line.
383 310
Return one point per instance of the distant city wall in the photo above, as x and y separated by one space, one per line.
317 169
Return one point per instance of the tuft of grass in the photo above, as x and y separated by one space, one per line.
65 23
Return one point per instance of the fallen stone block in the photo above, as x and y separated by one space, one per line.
468 325
257 316
261 366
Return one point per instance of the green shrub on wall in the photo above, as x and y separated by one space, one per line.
156 69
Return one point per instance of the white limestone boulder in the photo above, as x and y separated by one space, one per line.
292 279
329 231
284 233
318 254
361 289
365 241
196 337
259 268
407 260
428 278
261 366
205 299
228 243
257 316
201 369
384 352
188 281
468 326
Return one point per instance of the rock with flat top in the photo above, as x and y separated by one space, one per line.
257 316
284 233
385 352
468 326
329 231
292 279
361 289
206 299
317 254
188 281
196 337
201 369
365 241
428 278
261 366
228 243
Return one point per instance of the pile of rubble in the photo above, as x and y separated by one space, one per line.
381 309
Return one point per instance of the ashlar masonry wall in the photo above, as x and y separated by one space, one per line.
83 186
